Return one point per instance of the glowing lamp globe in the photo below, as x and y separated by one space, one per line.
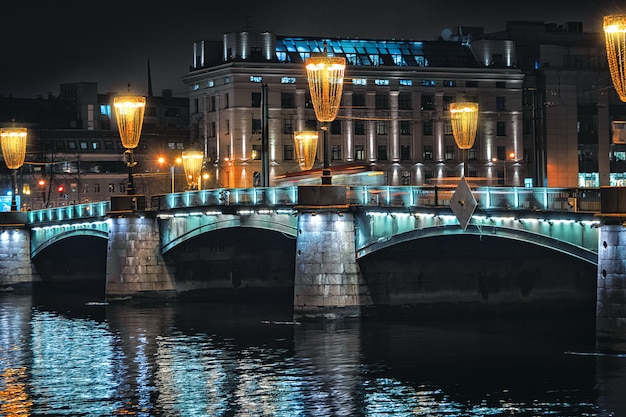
464 116
325 77
129 111
306 148
192 163
615 35
14 146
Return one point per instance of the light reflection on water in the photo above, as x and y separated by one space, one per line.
198 359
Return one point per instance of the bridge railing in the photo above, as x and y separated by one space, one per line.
72 212
506 198
258 196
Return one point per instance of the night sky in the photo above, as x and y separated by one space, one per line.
45 43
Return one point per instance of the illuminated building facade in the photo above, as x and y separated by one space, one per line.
394 116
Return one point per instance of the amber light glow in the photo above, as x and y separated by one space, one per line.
325 76
615 35
464 116
14 146
129 111
192 163
306 148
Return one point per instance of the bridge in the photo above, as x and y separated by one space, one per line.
335 229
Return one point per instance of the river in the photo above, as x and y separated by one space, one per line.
62 357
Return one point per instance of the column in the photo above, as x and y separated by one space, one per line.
394 134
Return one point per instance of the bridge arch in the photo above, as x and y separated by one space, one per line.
519 235
176 230
43 240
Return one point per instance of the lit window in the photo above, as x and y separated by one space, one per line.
287 80
210 83
381 82
406 82
359 81
196 87
256 78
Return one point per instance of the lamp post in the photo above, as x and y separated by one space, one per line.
14 151
192 163
464 117
306 148
129 111
325 77
615 35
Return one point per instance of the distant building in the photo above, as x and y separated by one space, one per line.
74 152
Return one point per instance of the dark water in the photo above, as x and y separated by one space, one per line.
239 359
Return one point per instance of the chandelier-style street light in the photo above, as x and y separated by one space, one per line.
192 163
615 35
325 77
129 111
464 117
14 152
306 148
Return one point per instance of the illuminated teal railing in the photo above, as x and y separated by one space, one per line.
71 212
488 198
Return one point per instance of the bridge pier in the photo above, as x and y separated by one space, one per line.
328 282
16 268
611 281
135 266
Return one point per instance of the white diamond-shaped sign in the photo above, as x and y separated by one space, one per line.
463 203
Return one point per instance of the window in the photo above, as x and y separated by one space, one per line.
428 153
335 153
335 127
256 126
256 79
501 152
287 100
288 126
446 102
472 155
382 153
381 127
447 127
111 187
500 103
500 128
405 127
449 83
226 100
405 153
256 99
404 101
382 101
212 104
359 153
428 83
122 188
311 124
428 102
288 152
471 84
108 144
83 145
358 100
427 128
96 188
60 145
449 153
227 126
95 145
256 152
359 127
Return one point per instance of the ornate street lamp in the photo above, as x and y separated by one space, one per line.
129 111
14 151
615 34
192 163
464 116
325 76
306 148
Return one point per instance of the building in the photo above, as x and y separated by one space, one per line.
74 152
394 116
569 105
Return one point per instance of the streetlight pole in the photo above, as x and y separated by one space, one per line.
129 111
13 140
325 77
